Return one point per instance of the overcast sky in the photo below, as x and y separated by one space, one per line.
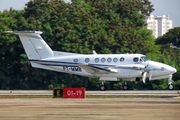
162 7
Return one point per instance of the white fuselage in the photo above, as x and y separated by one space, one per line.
124 64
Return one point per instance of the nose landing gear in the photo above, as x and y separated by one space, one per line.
170 85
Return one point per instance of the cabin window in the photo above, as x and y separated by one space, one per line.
87 60
115 59
97 60
121 59
109 60
136 59
103 59
75 60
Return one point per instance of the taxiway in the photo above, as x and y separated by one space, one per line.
161 93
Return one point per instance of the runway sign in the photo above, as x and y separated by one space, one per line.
58 93
74 92
69 93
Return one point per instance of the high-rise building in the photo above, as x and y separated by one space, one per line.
152 24
159 25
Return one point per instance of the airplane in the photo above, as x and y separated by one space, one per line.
107 67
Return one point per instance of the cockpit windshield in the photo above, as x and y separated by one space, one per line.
144 58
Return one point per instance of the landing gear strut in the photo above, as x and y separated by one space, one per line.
125 86
102 86
170 85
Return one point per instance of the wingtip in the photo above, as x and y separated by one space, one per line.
113 71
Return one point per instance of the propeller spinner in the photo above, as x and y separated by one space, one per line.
146 70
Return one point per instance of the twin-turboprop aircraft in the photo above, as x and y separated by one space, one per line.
107 67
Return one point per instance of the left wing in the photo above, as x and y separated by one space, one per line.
96 70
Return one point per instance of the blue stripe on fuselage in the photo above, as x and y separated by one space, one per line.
59 63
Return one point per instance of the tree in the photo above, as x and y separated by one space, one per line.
108 26
169 55
172 36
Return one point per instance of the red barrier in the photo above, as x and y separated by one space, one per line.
74 92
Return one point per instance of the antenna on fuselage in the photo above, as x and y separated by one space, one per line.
94 52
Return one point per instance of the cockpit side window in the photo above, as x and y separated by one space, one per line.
141 60
144 58
136 59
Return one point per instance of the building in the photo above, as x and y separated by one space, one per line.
159 25
152 24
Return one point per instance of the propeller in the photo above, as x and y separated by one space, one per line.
144 77
146 70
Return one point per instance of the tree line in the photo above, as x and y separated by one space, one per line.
107 26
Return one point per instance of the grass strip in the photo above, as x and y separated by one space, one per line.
112 96
87 96
25 96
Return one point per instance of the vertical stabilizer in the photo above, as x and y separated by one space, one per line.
34 45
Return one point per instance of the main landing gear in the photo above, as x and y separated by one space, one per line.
125 86
170 85
102 86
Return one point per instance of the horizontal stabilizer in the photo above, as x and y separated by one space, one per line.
24 32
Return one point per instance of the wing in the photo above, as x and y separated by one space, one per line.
96 70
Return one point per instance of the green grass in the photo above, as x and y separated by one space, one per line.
111 96
25 96
87 96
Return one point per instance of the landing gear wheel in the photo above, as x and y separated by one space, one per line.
125 87
171 87
102 87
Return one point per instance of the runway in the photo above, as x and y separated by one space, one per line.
89 109
161 93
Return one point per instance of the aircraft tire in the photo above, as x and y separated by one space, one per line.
125 87
171 87
102 88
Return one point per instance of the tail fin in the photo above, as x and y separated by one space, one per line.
34 45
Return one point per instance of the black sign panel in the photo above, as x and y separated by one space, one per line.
58 93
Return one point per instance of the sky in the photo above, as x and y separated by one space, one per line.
162 7
167 7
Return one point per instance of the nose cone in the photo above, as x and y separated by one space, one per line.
172 70
165 69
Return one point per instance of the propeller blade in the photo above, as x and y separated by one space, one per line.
147 69
144 77
150 76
